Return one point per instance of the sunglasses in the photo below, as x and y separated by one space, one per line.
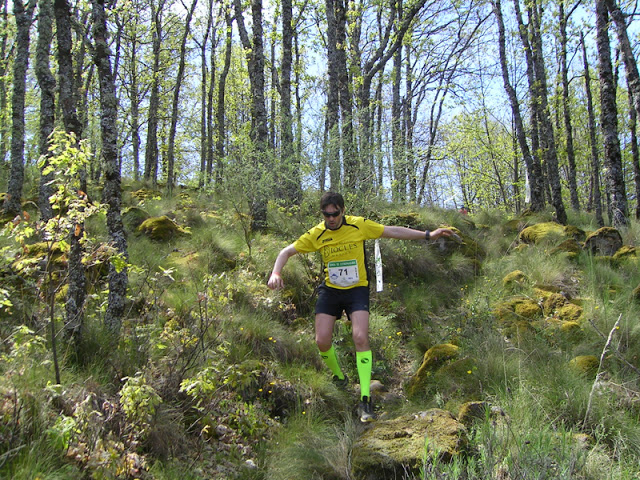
331 214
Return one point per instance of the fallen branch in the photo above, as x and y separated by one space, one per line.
599 374
615 350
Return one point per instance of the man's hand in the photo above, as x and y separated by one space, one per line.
446 232
275 282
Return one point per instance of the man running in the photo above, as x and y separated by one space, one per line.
341 238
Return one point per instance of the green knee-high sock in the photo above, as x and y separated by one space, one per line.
331 359
365 364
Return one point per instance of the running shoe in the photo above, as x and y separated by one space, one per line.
341 383
365 410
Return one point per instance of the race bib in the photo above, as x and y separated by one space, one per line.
344 274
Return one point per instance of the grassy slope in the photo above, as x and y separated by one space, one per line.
217 377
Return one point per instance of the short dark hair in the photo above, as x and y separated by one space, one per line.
331 198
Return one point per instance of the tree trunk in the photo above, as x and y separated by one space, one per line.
222 85
534 170
571 156
77 291
533 110
635 153
547 135
259 132
23 16
47 83
331 152
176 101
205 104
596 198
292 181
399 184
135 109
151 150
609 120
4 100
118 278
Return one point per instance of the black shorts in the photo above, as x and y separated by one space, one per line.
334 301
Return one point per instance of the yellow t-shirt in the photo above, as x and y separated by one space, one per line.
342 250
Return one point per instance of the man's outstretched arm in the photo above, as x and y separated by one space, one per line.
404 233
275 280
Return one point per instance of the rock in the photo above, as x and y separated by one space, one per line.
605 241
433 359
548 230
160 228
396 448
133 217
585 364
515 279
471 412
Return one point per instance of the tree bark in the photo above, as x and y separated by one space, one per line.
596 198
23 16
331 152
399 184
4 100
47 83
222 85
151 150
534 170
291 163
77 291
609 120
547 135
205 100
259 129
571 156
118 278
635 153
176 101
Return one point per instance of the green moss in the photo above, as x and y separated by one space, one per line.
133 217
160 228
528 309
394 448
516 278
570 246
626 252
585 364
539 232
471 412
553 303
570 312
433 358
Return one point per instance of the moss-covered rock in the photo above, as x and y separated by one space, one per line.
472 412
161 228
585 364
570 312
570 246
515 280
626 252
553 302
396 448
457 379
41 255
605 241
433 359
133 217
548 230
517 309
145 194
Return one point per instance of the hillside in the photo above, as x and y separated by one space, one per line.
512 355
